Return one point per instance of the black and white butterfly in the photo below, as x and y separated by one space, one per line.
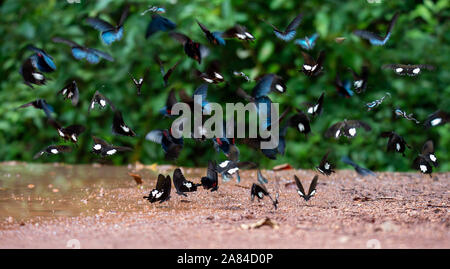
426 159
68 133
139 82
437 118
346 128
300 121
315 109
211 181
227 168
182 185
101 100
395 143
311 191
325 167
290 31
79 52
166 75
70 91
212 73
172 146
360 80
238 31
360 170
376 39
108 32
311 67
407 69
53 150
31 75
259 191
119 127
241 74
162 191
40 104
102 148
214 38
192 49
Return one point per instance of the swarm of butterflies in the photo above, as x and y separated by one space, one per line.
40 62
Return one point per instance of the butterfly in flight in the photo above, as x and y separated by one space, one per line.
241 74
102 148
70 91
360 170
79 52
140 82
325 167
162 191
437 118
346 128
376 39
315 109
377 102
290 31
41 60
238 31
214 38
53 150
210 181
343 87
166 75
68 133
426 158
407 69
159 23
300 121
119 127
182 185
192 49
227 168
360 80
212 73
307 43
170 102
101 100
403 114
30 75
312 67
108 32
395 142
171 145
311 191
40 104
154 9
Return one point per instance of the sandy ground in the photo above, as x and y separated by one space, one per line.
392 210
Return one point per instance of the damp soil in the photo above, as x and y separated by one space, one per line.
97 206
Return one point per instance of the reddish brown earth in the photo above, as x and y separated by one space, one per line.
102 207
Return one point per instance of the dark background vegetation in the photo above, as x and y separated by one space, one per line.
421 35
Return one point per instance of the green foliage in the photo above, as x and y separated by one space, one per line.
421 35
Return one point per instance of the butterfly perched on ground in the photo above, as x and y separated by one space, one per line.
426 159
68 133
192 49
343 87
377 102
408 69
30 75
119 127
53 150
70 91
41 60
325 167
101 100
212 73
300 121
346 128
214 38
171 145
259 191
162 191
307 43
360 81
239 32
376 39
102 148
311 191
315 109
79 52
290 31
403 114
139 82
437 118
312 67
211 182
159 23
108 32
395 143
182 185
360 170
40 104
166 75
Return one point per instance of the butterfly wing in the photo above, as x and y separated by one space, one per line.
334 130
159 23
99 24
261 179
155 136
124 15
102 54
300 190
312 187
169 73
119 127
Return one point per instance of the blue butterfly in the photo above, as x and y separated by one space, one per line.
202 90
79 52
213 37
41 60
159 23
376 39
307 43
343 87
108 32
268 83
290 31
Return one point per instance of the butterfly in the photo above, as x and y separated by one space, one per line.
261 178
241 74
102 148
311 191
360 81
31 75
267 83
214 38
40 104
406 69
70 91
41 60
403 114
166 75
140 82
119 127
68 133
325 167
346 128
159 23
395 142
271 149
227 168
343 87
212 73
312 67
199 96
170 102
377 102
171 145
211 182
53 150
376 39
290 31
259 191
437 118
239 32
108 32
162 191
360 170
192 49
315 109
181 184
154 9
300 121
101 100
427 158
79 52
307 43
